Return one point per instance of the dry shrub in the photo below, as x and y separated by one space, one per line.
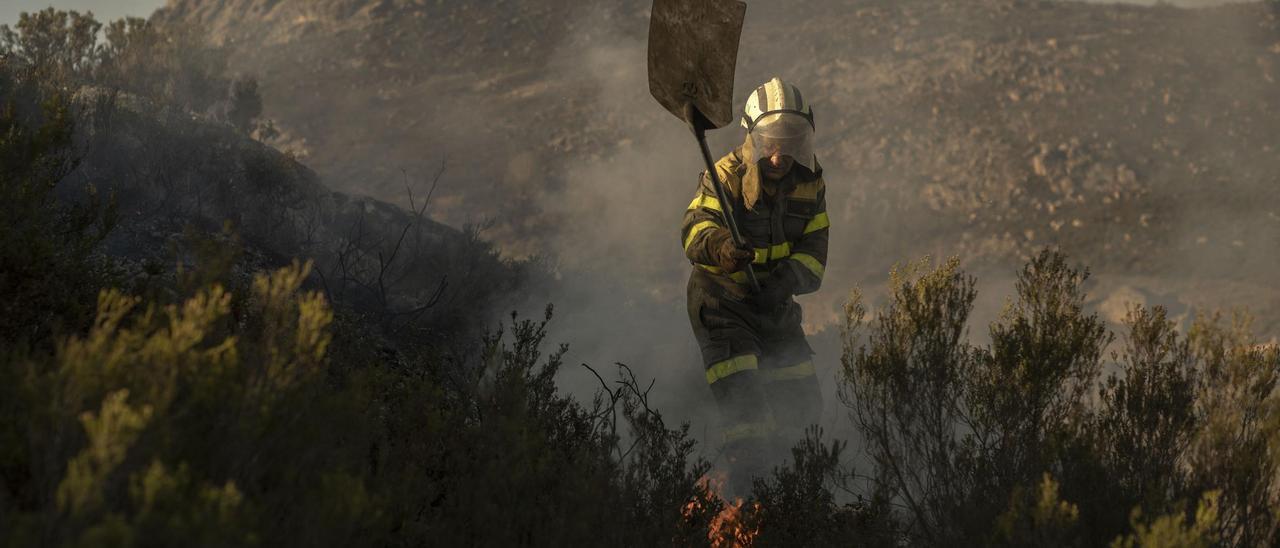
1022 442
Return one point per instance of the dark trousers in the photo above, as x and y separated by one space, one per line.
760 370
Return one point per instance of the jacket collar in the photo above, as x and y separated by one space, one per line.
748 184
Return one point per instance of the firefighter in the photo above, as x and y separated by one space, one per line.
757 362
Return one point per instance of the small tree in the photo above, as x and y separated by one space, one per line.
61 46
905 389
245 104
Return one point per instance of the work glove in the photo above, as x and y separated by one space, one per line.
774 291
729 256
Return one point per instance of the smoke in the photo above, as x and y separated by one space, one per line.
985 129
926 150
621 297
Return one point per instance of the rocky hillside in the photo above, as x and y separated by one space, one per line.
176 178
1139 139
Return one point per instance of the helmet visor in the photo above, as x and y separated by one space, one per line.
786 134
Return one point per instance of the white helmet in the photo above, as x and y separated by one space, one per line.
779 122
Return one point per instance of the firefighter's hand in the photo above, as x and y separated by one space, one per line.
772 295
730 257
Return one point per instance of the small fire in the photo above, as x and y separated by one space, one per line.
732 526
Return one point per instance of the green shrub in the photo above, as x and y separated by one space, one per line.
222 420
1038 517
1234 450
47 269
59 46
904 388
1003 444
1173 530
798 505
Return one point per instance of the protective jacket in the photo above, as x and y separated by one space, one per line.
757 361
787 229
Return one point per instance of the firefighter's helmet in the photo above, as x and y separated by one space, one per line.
779 121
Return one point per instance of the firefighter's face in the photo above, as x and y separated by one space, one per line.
776 166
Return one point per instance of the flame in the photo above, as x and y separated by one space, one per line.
732 526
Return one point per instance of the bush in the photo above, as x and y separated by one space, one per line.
1001 444
225 411
904 389
798 505
47 270
172 65
59 46
221 421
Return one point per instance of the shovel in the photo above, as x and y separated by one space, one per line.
693 49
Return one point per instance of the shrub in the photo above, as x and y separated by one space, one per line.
47 269
1001 444
61 47
221 420
1038 517
904 388
798 505
1238 407
173 65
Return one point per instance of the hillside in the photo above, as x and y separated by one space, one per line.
172 175
207 342
1136 138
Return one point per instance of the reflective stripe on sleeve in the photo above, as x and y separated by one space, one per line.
693 232
720 370
810 263
705 201
819 222
799 371
773 252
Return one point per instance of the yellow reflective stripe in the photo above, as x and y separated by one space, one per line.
802 370
749 430
811 263
720 370
709 202
695 230
766 254
819 222
741 276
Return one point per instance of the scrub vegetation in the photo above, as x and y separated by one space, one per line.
1025 441
171 64
230 394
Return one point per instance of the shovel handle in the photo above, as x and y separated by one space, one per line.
698 123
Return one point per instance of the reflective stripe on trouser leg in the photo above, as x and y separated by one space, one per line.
750 431
736 385
799 371
750 448
737 364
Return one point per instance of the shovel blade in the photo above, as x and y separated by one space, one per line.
693 51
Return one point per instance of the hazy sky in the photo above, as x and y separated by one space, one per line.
105 10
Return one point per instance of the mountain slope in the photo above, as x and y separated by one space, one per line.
1139 139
